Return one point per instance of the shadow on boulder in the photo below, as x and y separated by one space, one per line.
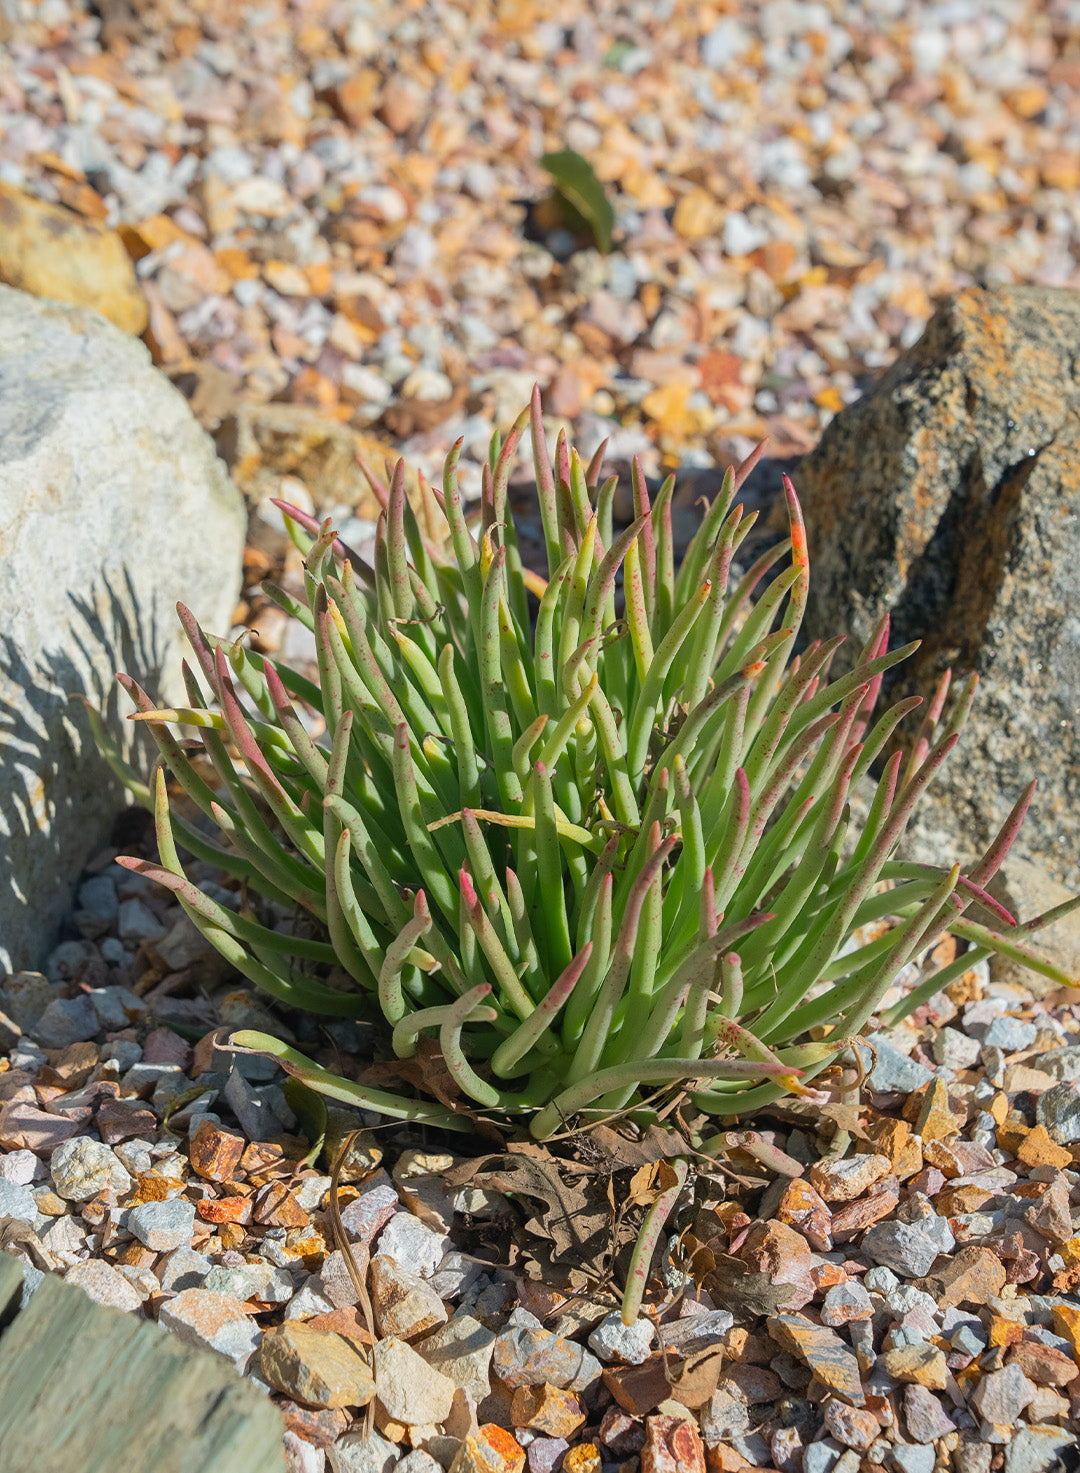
58 797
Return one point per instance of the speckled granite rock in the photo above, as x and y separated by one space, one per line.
113 505
951 494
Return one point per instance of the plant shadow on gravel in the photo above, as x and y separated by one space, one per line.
49 760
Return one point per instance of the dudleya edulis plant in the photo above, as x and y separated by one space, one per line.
590 832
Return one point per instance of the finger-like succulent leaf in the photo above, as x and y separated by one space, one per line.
588 828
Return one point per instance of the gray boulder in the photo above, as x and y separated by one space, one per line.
951 494
113 505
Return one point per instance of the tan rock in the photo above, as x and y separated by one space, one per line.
405 1304
49 252
314 1367
401 104
547 1410
1037 1149
843 1181
893 1138
935 1121
917 1365
408 1389
973 1276
697 215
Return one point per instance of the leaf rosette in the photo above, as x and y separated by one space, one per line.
589 832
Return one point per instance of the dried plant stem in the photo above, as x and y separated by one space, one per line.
637 1276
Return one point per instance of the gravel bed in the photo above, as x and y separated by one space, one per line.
340 205
337 211
890 1280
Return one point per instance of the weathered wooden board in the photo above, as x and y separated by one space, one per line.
86 1389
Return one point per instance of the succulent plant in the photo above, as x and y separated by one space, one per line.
590 832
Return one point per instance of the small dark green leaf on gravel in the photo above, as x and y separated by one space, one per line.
579 188
310 1110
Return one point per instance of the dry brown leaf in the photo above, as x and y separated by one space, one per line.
416 416
696 1379
427 1072
612 1151
643 1184
746 1293
539 1152
577 1224
574 1218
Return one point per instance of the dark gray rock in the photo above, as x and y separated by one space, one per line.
951 494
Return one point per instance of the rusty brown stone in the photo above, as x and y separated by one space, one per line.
124 1120
348 1321
973 1275
803 1208
640 1389
215 1152
275 1206
1044 1364
321 1426
775 1249
855 1216
672 1445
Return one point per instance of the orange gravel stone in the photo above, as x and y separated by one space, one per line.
215 1153
1067 1324
893 1139
1001 1331
585 1458
224 1209
491 1450
231 1235
275 1206
151 1188
918 1365
1037 1149
935 1120
548 1410
802 1207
